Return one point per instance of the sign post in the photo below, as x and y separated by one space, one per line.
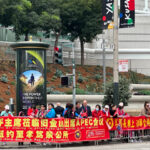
31 74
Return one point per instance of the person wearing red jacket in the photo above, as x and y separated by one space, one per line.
97 111
32 112
105 111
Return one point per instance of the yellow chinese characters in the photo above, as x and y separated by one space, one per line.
26 122
72 123
8 122
53 123
1 133
20 134
66 123
65 134
1 121
62 134
39 134
49 134
29 134
44 123
35 122
10 134
17 122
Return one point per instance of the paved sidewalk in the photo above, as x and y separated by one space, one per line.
79 146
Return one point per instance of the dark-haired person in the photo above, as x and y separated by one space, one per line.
113 111
32 111
51 111
70 112
77 109
97 111
146 110
65 110
42 112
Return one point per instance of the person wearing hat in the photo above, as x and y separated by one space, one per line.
105 111
6 112
120 112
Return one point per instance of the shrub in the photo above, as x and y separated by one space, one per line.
91 87
97 77
53 78
51 91
142 92
80 79
58 73
7 92
134 77
124 92
14 77
4 78
48 70
12 83
1 100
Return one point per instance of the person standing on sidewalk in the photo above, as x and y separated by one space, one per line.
6 113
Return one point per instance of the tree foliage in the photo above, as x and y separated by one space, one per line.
82 19
124 92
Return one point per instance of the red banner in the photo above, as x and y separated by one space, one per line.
129 123
52 130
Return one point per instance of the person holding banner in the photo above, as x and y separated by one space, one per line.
85 110
105 111
5 113
120 112
97 111
51 111
42 112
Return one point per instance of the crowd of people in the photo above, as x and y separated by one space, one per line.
79 111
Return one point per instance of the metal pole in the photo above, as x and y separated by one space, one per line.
104 65
115 53
74 75
146 6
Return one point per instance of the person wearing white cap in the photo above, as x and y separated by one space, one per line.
6 112
105 111
120 112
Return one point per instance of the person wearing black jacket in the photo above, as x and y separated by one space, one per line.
113 109
77 107
59 110
70 112
85 110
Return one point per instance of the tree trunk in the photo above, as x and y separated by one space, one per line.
82 51
57 35
26 37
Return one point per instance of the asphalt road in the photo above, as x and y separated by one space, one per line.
110 146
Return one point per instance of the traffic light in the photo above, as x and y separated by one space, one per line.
64 81
58 55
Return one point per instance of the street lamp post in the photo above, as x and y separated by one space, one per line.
115 54
74 75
